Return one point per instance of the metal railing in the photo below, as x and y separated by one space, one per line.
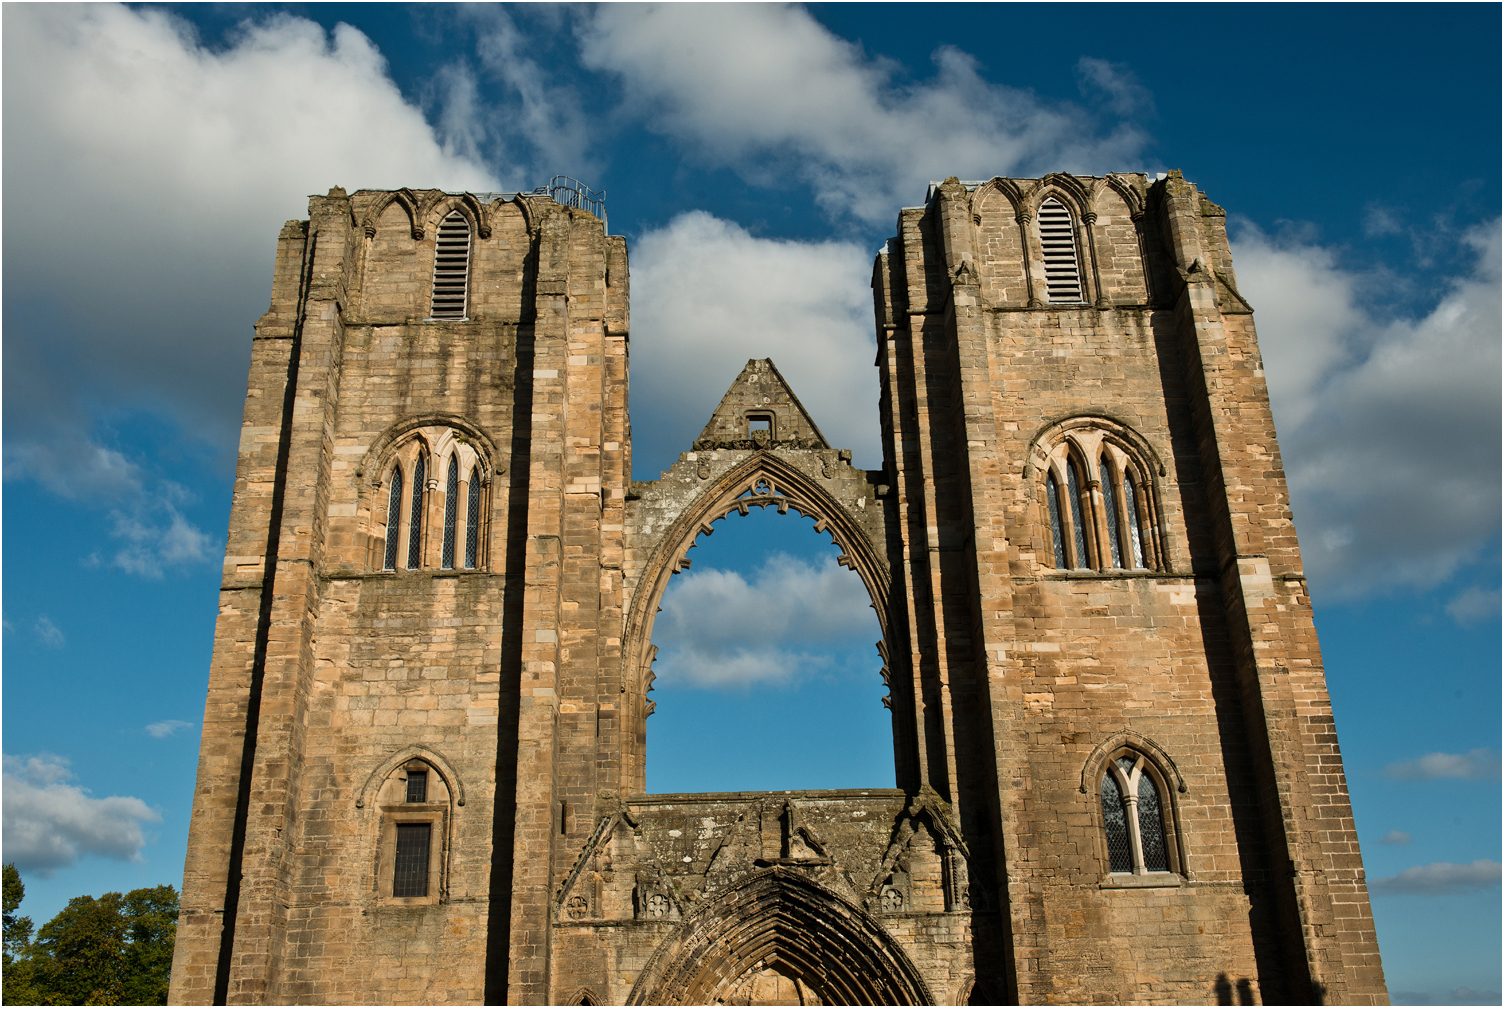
563 190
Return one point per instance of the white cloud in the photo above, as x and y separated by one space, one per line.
1439 878
707 296
1117 83
766 89
1396 837
718 629
49 632
1474 604
156 535
1475 765
49 823
163 729
146 178
1390 429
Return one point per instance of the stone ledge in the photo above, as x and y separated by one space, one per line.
1131 881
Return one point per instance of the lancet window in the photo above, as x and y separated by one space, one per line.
423 522
1099 504
451 268
1136 821
1063 272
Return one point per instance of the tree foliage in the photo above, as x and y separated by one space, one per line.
107 950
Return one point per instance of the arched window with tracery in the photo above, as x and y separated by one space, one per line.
1135 816
429 523
1098 499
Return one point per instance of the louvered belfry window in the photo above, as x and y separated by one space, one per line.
1063 275
451 267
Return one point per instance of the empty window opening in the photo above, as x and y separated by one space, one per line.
451 268
767 674
411 878
760 426
1063 275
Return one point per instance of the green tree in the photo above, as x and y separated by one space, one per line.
109 950
19 971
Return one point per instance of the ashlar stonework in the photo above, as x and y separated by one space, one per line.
421 777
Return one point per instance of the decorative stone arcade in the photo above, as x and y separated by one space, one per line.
422 769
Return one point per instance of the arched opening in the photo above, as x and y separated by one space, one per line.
767 673
779 933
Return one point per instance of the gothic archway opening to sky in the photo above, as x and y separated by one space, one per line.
767 674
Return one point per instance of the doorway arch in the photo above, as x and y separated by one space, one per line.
780 922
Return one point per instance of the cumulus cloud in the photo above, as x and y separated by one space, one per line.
49 632
1390 429
163 729
1473 765
49 823
766 89
718 629
1440 878
1396 837
147 176
706 296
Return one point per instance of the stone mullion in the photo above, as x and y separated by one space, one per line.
206 868
287 680
528 971
1279 704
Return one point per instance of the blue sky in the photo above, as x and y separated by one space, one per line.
756 156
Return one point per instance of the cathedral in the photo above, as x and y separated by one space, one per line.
421 778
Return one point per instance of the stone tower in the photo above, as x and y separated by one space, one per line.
421 778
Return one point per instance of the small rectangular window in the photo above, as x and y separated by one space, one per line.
418 786
412 875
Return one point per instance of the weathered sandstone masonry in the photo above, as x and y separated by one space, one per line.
421 777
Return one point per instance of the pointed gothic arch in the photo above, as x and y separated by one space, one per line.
779 919
766 479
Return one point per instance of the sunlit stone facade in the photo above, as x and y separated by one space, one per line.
421 778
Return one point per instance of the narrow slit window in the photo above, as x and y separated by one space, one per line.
1063 275
451 268
411 878
1078 525
418 786
1110 509
1131 507
1057 538
451 506
473 518
415 518
394 515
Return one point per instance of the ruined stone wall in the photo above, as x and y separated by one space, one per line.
475 661
989 388
349 674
